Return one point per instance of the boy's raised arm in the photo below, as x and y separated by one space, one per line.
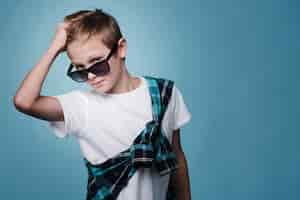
28 99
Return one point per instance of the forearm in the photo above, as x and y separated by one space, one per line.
180 179
30 87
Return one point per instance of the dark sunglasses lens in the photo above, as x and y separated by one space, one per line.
79 76
100 69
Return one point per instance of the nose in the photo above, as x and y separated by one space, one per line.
91 76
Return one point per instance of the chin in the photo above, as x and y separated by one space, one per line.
102 88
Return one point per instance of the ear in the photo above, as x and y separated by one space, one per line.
122 50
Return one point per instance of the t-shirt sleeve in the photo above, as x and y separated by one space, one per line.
181 115
74 109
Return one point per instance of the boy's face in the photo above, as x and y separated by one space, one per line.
85 53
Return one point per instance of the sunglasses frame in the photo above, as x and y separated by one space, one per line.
90 69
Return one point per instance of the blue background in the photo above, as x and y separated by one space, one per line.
235 63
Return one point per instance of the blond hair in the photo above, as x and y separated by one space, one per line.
92 22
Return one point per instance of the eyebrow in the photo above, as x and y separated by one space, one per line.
89 60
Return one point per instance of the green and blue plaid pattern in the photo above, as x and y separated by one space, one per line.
150 148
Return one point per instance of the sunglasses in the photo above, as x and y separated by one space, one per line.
100 68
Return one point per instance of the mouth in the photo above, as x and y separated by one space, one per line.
98 83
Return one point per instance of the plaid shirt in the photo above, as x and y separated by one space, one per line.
150 148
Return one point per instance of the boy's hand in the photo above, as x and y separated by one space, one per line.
60 37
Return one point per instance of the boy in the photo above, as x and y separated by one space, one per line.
106 119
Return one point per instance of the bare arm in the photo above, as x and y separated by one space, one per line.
180 178
27 98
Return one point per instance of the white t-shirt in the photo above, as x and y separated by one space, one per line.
105 124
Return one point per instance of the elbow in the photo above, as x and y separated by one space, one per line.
20 104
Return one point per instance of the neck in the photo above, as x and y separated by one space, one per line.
126 82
